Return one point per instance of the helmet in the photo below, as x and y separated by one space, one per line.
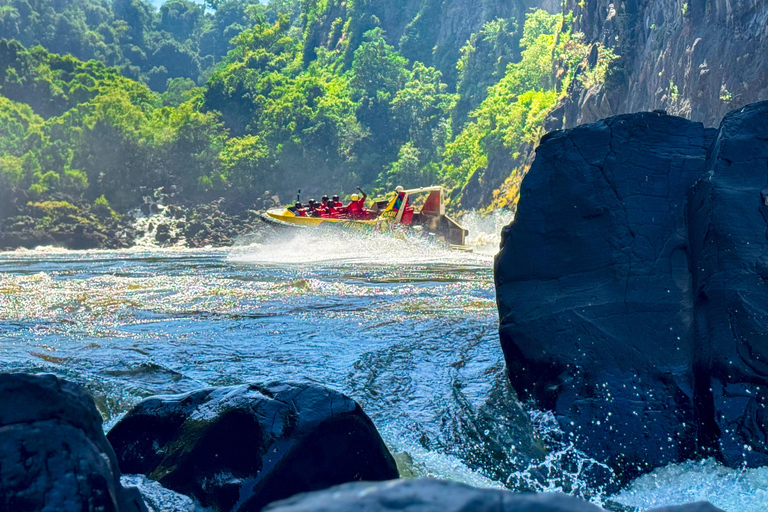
298 204
399 189
325 199
335 198
355 197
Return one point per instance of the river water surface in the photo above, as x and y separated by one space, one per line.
405 327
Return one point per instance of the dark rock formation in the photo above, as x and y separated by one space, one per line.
53 453
428 495
242 447
589 269
728 230
645 333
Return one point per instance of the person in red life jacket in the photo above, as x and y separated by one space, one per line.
313 210
337 202
324 203
356 207
353 208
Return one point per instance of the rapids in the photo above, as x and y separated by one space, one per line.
406 327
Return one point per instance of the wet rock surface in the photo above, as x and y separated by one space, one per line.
621 304
589 269
242 447
427 495
728 231
53 452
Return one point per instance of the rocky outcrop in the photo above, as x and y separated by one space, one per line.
694 58
728 231
642 328
53 453
427 495
239 448
588 273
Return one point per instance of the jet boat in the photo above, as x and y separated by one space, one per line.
400 212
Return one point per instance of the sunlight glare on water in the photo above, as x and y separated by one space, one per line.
405 326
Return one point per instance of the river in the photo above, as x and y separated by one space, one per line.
406 327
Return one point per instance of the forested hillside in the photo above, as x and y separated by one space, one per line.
108 100
298 101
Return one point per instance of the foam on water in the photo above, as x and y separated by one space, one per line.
400 248
397 322
485 230
353 249
733 490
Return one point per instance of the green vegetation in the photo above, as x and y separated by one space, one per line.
295 101
179 40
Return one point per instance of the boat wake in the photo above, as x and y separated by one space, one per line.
378 249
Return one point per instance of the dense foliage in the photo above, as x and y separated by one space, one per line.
289 105
179 40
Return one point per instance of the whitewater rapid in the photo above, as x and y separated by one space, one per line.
407 327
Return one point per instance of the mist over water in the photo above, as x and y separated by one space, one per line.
406 326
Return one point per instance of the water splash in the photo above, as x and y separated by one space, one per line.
160 499
148 227
485 229
308 247
733 490
565 469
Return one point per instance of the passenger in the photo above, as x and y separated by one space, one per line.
324 201
356 207
353 208
337 202
296 208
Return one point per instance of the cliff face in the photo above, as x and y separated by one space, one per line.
698 59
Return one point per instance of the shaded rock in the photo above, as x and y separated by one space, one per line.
427 495
728 229
593 287
242 447
53 452
163 233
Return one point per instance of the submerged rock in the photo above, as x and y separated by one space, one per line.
427 495
633 309
242 447
53 452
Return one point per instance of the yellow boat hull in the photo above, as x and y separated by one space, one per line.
287 217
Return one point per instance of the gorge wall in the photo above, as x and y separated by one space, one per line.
698 59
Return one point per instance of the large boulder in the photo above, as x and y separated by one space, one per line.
53 452
728 229
427 495
239 448
594 291
633 288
